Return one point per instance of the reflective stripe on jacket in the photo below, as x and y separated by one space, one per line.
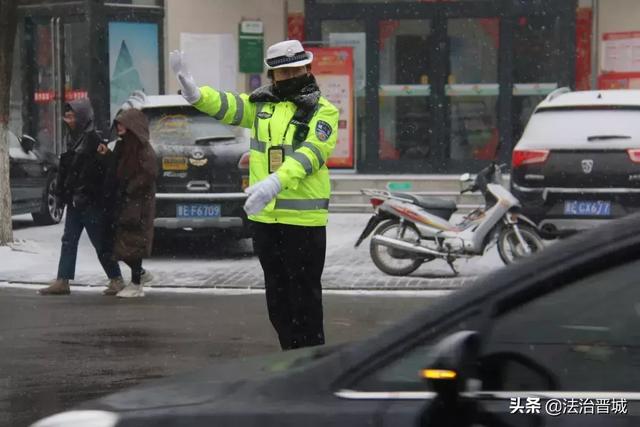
304 175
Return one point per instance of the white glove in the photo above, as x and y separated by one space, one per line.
190 90
261 194
136 100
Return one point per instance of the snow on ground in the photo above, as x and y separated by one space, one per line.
33 258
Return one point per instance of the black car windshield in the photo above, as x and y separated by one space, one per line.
185 126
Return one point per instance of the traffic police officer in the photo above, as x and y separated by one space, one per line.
294 131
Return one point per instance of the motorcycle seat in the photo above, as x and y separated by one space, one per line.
429 203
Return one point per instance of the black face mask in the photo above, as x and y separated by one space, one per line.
288 89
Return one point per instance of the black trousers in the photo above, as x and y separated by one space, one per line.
292 259
136 270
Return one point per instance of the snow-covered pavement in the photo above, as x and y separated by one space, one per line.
228 264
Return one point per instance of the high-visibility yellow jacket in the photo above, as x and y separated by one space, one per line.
304 176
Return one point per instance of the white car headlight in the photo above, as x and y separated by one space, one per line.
79 419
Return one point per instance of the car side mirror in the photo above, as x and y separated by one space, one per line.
453 359
27 143
465 177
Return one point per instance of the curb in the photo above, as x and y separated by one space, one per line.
440 284
412 293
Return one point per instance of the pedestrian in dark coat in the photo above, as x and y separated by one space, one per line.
130 190
80 181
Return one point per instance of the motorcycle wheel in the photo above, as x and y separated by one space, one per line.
509 247
393 261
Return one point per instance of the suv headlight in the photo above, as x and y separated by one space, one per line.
79 419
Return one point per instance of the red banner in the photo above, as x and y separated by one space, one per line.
295 26
621 36
619 81
333 68
583 48
42 97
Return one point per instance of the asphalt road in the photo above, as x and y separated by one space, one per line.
56 352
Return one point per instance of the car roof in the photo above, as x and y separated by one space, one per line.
160 101
564 98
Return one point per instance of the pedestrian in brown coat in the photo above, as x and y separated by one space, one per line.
131 190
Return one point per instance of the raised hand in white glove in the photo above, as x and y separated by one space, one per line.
261 194
136 100
190 90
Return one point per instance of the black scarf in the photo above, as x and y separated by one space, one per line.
306 100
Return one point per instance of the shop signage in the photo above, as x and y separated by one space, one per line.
399 186
72 95
333 68
619 81
251 46
621 52
43 97
620 61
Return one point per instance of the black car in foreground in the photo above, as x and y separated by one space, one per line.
550 341
203 169
32 178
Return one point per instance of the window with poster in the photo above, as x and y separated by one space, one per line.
68 52
333 69
133 61
620 61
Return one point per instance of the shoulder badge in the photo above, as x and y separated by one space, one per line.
264 115
323 130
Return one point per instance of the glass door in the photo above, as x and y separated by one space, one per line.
59 74
405 108
47 84
537 65
472 89
450 84
439 92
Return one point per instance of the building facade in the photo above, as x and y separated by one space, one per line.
441 86
449 84
222 17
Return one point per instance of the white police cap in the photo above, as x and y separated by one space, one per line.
288 53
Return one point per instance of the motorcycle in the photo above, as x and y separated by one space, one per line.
411 229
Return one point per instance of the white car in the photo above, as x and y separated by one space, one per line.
578 162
